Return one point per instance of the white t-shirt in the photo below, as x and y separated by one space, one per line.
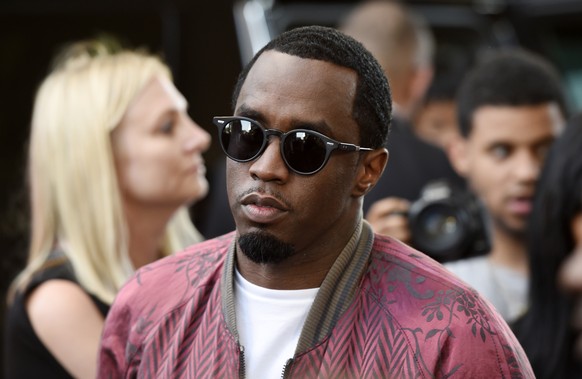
505 288
269 324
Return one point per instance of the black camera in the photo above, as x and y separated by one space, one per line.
448 223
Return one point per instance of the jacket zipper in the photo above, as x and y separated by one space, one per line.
286 368
242 366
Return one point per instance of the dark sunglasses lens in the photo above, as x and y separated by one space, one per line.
241 139
304 152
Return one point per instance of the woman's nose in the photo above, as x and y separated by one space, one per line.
198 139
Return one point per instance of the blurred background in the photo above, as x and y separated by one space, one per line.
207 42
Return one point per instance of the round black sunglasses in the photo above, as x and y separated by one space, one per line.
304 151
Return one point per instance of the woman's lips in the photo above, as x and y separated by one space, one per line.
198 167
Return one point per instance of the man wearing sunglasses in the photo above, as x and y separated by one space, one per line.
303 288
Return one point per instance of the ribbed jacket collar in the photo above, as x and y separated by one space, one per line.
334 296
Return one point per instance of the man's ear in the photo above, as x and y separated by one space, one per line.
370 170
457 152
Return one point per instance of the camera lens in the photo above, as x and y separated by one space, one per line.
439 228
439 223
448 223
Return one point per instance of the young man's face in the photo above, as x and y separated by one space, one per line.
502 157
286 92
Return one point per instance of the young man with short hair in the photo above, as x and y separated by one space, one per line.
511 108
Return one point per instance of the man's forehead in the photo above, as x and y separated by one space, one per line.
284 89
277 63
510 119
281 74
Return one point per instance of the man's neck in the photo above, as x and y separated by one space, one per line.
306 268
509 251
303 270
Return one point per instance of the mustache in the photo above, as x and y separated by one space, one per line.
263 191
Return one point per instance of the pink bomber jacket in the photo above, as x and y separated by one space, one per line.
384 310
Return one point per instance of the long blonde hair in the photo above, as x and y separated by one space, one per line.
75 197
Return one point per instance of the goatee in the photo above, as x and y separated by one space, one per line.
262 248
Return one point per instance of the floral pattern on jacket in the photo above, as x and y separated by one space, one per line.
409 318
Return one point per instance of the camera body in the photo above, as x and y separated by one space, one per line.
448 223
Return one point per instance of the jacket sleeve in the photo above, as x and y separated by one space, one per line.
118 344
481 345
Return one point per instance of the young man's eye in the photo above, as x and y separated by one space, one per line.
500 151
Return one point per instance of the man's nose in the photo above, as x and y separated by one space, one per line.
270 166
528 166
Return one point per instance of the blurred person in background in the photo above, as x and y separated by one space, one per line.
114 162
511 107
550 331
435 120
403 45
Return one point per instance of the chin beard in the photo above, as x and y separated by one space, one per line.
519 234
264 248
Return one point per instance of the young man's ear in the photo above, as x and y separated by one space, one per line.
458 155
370 171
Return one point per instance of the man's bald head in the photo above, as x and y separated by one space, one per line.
399 40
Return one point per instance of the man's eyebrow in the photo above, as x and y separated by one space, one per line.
548 140
319 126
246 111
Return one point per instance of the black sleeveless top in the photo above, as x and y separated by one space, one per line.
25 356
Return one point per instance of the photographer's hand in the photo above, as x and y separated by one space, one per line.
389 217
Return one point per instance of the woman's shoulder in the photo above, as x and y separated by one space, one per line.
58 299
66 320
60 270
31 322
54 295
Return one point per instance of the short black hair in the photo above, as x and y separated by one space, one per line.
372 108
513 77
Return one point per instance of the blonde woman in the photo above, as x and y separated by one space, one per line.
114 162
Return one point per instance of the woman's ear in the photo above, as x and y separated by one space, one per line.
370 170
457 152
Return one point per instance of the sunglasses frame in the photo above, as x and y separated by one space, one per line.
329 143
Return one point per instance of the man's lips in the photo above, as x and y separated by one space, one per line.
263 209
521 205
